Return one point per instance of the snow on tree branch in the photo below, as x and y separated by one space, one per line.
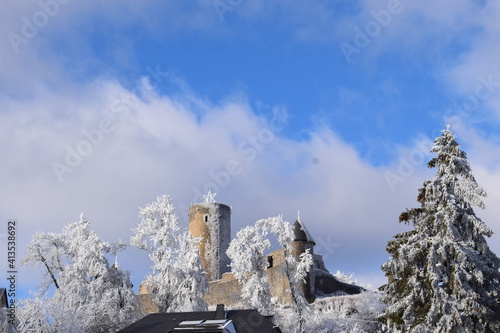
91 295
177 281
445 277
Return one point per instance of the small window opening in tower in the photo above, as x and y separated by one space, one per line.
205 218
269 261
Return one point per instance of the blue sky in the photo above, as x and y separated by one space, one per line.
165 97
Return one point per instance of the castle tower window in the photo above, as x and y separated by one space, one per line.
269 261
205 218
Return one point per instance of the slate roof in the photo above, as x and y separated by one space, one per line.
247 321
301 233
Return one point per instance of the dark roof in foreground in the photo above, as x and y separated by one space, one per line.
246 321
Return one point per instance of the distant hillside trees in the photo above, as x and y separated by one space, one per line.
445 278
177 282
90 294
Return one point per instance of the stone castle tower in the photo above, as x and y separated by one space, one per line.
211 221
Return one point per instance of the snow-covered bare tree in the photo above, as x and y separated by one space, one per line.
7 324
49 251
90 294
295 269
444 276
177 281
247 253
338 314
34 315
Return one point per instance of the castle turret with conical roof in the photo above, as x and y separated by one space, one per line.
301 233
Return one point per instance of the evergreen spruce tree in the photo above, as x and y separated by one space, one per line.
444 276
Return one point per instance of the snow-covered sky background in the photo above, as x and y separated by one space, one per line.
322 107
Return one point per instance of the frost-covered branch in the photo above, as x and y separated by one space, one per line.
445 278
177 281
91 295
248 254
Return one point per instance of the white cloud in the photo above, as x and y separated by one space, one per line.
160 145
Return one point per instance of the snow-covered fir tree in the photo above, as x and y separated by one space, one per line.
90 294
444 276
177 282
